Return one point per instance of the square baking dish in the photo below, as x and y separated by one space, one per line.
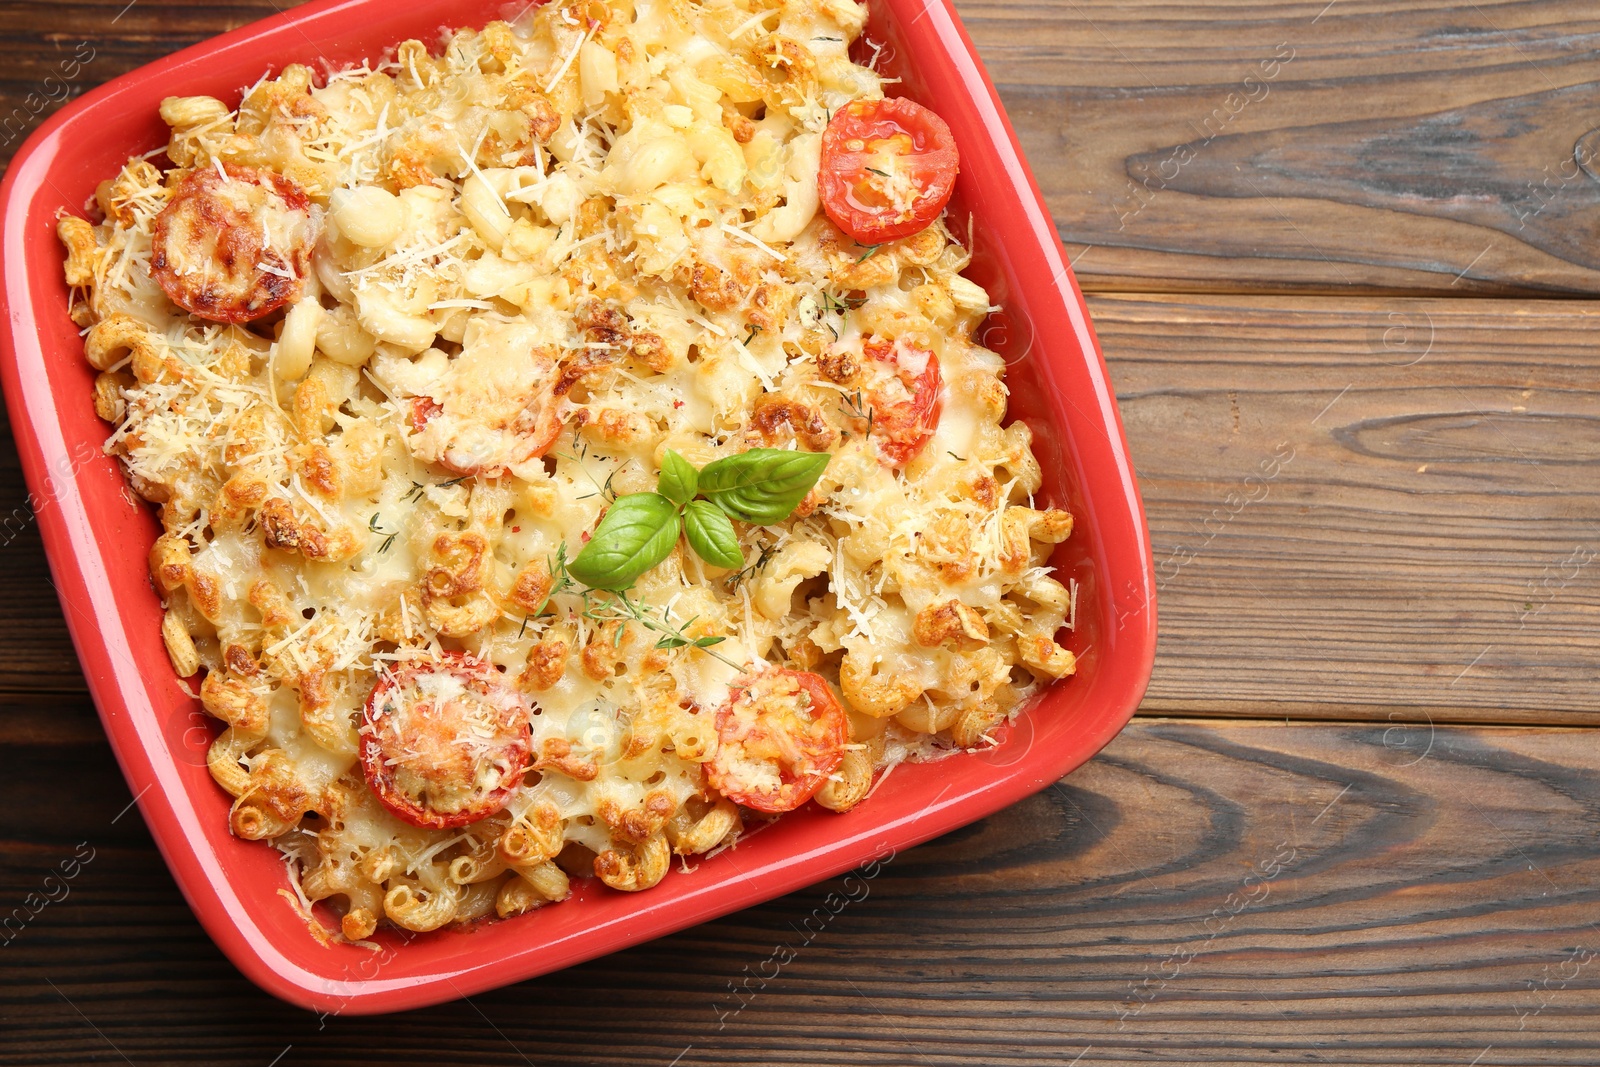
97 534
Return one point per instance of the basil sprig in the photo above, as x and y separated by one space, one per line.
761 486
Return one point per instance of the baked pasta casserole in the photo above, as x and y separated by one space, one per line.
571 448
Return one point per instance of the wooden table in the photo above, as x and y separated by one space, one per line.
1346 237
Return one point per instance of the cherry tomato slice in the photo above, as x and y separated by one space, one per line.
485 429
444 743
234 245
905 393
888 168
781 734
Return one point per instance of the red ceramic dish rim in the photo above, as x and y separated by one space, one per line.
70 501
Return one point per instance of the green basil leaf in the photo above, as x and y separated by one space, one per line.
637 532
679 481
763 485
711 535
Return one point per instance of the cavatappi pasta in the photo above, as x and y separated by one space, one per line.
383 348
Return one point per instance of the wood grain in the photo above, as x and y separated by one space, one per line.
1424 551
38 656
1430 542
1401 146
1417 896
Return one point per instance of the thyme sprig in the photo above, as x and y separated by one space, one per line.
387 535
767 552
602 606
840 304
857 408
581 451
418 488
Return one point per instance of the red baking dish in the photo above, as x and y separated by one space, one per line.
97 535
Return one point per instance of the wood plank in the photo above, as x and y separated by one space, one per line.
39 657
1402 146
1428 543
1229 893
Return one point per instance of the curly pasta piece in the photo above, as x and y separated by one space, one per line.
79 238
236 703
852 781
274 799
1041 652
870 691
532 888
118 338
951 623
972 726
363 900
634 867
532 840
453 594
470 870
328 710
700 827
421 910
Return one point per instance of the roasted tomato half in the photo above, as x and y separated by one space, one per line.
781 733
904 391
444 742
234 244
495 408
888 168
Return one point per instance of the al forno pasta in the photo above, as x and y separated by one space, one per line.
570 446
